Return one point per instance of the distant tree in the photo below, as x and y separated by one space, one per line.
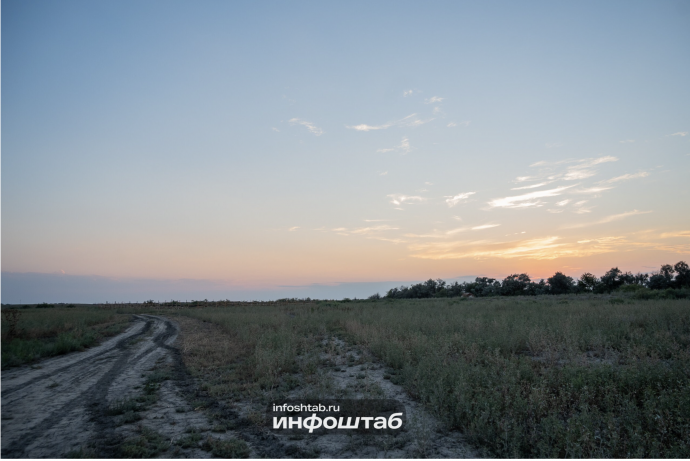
429 289
657 282
641 279
587 282
667 271
627 278
663 279
483 286
455 289
540 288
374 297
682 274
514 285
393 293
612 279
560 283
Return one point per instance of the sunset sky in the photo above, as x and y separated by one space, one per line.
255 149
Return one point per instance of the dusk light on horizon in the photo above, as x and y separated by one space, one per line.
253 150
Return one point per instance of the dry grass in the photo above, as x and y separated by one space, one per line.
215 356
571 376
45 332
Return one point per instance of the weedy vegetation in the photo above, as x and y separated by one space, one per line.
147 444
553 376
32 333
577 375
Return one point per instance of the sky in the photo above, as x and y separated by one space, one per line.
254 150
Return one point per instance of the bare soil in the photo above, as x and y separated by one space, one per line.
71 406
132 396
349 372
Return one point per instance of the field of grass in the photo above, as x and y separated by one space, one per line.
557 376
45 332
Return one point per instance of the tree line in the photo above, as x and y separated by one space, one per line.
668 277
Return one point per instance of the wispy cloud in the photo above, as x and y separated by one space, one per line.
308 125
542 248
391 240
275 129
545 163
581 170
400 199
590 190
369 232
292 229
675 234
625 177
485 226
464 123
454 200
582 163
407 93
365 127
524 178
533 186
434 235
420 122
590 162
583 210
607 219
373 229
457 230
527 200
627 141
433 99
577 174
680 133
383 174
411 120
404 147
437 234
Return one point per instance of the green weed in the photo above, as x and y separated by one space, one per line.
41 332
147 445
228 449
558 376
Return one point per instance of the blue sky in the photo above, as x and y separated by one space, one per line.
264 144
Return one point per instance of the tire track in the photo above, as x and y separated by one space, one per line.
72 392
129 335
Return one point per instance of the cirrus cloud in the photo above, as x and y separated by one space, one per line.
462 197
401 199
411 120
308 125
527 200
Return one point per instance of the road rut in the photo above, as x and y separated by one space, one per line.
58 405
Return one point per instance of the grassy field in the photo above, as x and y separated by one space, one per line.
45 332
554 376
557 376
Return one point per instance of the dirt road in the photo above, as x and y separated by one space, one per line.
132 397
60 405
